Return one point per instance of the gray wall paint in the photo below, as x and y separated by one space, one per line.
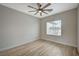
78 29
16 28
69 28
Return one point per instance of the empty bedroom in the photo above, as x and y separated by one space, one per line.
39 29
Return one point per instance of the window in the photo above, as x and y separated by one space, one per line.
54 28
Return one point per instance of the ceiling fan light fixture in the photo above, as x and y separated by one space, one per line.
39 10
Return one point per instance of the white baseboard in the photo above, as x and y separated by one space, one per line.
3 49
61 43
13 46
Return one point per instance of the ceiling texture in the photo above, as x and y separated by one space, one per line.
57 8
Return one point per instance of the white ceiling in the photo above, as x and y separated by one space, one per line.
57 8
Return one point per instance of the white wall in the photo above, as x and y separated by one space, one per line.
69 28
16 28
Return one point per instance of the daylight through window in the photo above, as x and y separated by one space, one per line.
54 28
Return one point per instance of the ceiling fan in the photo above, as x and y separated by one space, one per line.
40 10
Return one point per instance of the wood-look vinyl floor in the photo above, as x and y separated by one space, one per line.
41 48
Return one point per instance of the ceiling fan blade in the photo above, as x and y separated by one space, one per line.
39 5
32 11
45 12
48 9
36 13
46 5
32 7
40 13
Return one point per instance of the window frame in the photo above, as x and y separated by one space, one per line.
53 34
